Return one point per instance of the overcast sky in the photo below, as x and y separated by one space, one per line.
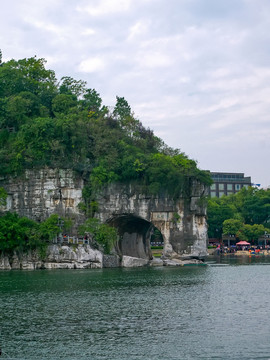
197 72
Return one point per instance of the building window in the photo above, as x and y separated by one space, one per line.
221 193
213 194
237 187
213 187
229 187
221 186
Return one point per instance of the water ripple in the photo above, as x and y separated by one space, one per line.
118 314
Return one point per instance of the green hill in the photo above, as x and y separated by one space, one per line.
46 122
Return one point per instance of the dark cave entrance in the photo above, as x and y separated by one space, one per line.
136 235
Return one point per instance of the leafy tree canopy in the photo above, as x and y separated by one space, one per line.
245 214
45 122
103 234
22 234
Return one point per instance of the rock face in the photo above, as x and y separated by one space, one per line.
111 261
39 193
182 221
58 257
81 257
129 261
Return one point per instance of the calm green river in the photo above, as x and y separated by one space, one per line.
219 311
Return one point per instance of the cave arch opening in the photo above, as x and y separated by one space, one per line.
137 236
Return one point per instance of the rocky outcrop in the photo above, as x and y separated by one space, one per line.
57 257
129 261
4 263
182 222
80 257
40 193
182 262
111 261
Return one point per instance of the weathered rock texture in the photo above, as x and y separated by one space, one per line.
58 257
39 193
129 261
182 222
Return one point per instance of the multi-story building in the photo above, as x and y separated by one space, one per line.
228 183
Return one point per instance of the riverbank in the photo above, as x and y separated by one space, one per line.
248 253
56 257
239 252
81 257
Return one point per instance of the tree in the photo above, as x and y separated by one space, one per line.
122 108
21 234
17 111
17 234
253 232
46 123
92 100
218 211
27 75
245 209
52 226
162 175
255 205
103 234
63 103
70 86
232 226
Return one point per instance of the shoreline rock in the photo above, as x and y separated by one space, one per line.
57 257
82 257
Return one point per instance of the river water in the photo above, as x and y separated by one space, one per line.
218 311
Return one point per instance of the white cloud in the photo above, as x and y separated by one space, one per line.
105 7
88 31
55 30
154 60
196 72
92 64
139 29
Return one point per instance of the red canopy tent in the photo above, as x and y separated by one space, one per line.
242 243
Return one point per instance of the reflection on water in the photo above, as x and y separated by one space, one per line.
200 312
232 259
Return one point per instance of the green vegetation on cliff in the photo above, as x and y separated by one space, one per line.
103 234
22 234
63 124
46 122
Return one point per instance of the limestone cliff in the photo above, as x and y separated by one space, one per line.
182 221
57 257
78 257
40 193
